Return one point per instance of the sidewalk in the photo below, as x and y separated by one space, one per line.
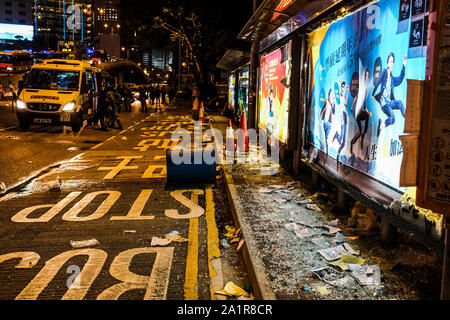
285 223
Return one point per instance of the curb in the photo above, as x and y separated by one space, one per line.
254 265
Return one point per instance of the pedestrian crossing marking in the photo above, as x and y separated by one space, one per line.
114 171
155 284
155 172
85 279
137 208
72 214
143 145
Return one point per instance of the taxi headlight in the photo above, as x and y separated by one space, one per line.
21 105
69 106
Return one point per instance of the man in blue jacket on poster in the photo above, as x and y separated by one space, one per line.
386 97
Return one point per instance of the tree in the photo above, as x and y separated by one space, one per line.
204 28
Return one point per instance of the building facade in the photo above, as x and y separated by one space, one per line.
107 26
62 23
16 12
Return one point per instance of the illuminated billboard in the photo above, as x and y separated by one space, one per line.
359 70
273 95
244 74
16 31
232 91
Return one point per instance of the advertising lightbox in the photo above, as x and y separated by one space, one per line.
273 95
232 91
359 70
16 31
244 74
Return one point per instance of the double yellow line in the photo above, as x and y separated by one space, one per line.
191 274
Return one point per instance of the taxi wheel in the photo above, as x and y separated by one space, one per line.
76 124
24 125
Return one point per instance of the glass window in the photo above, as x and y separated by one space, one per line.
4 58
53 80
90 80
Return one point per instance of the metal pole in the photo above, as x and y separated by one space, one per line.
445 285
179 61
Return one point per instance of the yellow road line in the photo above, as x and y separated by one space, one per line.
4 129
213 236
6 197
110 138
191 274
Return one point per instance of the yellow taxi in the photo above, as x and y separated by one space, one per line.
58 92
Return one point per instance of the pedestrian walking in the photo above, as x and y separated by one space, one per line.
142 98
14 95
152 95
158 99
171 94
163 96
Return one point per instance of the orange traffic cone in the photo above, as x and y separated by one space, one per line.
201 118
229 137
243 127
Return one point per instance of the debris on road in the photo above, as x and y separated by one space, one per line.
331 276
224 243
345 260
160 242
241 243
335 253
84 243
231 289
366 275
323 290
55 184
2 188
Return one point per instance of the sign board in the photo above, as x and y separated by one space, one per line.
274 89
434 191
360 67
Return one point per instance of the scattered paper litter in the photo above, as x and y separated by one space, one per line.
345 260
176 238
332 230
323 290
224 243
2 188
173 233
366 275
84 243
333 223
231 289
304 232
335 253
240 244
55 184
330 276
159 241
313 206
291 226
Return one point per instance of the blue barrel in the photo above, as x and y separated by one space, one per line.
188 171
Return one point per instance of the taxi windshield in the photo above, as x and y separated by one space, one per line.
51 79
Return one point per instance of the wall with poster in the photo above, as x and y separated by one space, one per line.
244 74
232 91
273 92
359 70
